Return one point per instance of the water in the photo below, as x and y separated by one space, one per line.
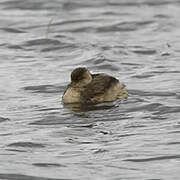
42 41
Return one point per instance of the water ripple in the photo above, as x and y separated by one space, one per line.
38 42
44 89
2 119
26 177
146 93
12 30
124 26
167 157
145 52
26 145
48 165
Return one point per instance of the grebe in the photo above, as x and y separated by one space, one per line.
87 88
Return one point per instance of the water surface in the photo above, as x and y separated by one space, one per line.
42 41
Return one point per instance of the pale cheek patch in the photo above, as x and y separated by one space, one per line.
71 96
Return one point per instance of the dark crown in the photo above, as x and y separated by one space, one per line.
77 74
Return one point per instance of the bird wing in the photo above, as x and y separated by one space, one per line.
98 86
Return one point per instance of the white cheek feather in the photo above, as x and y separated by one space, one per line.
71 96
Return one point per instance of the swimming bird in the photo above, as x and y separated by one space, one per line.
87 88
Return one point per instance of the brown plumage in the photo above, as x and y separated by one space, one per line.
89 88
97 87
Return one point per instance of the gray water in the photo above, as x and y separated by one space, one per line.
41 42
